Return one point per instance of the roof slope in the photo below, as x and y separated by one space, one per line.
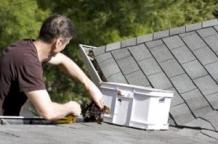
92 133
183 59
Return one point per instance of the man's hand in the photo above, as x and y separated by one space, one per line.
75 107
95 94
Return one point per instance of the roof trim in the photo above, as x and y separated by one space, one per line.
160 34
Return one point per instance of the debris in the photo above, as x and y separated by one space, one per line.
92 113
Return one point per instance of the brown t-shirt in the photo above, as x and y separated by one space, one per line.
20 71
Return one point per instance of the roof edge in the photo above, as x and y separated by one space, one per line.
161 34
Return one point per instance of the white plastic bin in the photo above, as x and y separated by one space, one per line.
130 105
136 106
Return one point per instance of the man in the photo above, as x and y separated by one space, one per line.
21 71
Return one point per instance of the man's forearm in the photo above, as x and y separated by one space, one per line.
51 110
75 72
71 69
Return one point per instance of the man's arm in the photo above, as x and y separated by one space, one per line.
71 68
51 110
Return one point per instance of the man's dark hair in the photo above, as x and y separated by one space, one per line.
56 26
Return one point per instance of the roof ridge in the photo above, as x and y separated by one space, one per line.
160 34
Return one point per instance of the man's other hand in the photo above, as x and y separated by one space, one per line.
75 107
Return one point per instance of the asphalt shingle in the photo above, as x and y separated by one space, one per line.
212 118
213 99
213 70
140 52
215 27
205 55
206 85
120 53
210 133
212 41
183 54
194 69
117 77
154 43
161 53
109 67
171 68
127 65
197 103
99 50
149 66
137 78
160 81
176 100
199 122
194 134
193 41
103 57
183 83
182 114
173 42
206 32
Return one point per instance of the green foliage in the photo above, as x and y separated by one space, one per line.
97 22
100 22
19 19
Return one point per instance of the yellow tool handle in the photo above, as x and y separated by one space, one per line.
67 120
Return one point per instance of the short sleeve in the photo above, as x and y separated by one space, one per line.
30 77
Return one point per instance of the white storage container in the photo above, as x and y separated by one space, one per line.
133 106
136 106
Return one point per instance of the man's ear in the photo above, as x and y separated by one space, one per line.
55 44
58 42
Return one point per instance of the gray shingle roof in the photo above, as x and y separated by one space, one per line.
183 59
92 133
